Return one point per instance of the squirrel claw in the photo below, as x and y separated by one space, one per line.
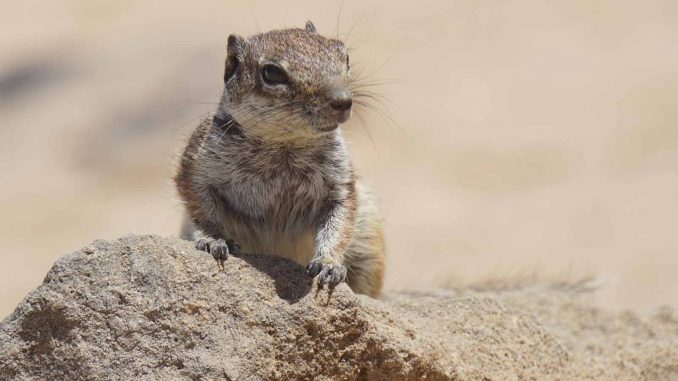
327 273
217 247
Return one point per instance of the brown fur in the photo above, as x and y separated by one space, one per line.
269 173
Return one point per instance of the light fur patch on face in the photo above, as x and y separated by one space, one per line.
279 119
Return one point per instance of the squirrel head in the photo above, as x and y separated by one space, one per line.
287 83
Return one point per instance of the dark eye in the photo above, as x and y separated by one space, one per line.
348 66
273 74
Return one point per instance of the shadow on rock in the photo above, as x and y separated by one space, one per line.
291 281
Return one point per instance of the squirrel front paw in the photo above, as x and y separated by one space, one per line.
217 247
326 271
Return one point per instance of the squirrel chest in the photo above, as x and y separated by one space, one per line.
279 187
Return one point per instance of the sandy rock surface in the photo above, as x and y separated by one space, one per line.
147 307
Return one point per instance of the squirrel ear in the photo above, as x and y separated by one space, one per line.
234 54
310 27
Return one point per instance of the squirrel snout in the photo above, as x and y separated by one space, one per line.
341 99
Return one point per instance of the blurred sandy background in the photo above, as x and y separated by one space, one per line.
538 138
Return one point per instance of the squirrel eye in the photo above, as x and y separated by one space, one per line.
273 74
347 64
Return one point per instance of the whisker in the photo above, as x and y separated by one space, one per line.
341 6
254 17
349 34
356 45
202 103
369 94
362 121
193 119
383 114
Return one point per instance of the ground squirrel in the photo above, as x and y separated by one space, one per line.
269 172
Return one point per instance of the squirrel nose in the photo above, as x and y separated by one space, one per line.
341 100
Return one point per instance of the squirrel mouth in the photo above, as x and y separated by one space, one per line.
328 127
344 116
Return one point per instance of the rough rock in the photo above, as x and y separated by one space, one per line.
147 307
